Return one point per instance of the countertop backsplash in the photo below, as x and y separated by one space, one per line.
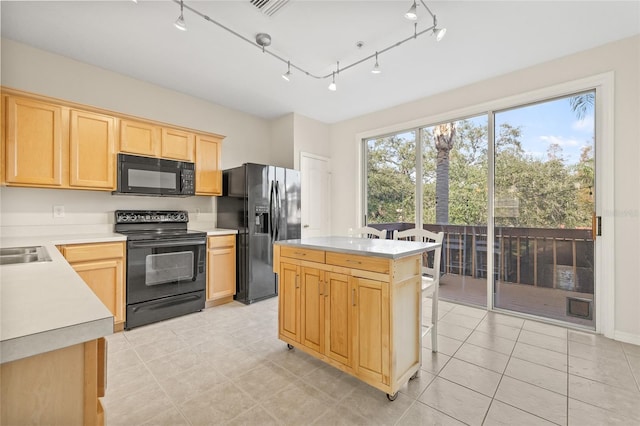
30 211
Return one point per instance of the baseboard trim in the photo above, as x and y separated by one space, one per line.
622 336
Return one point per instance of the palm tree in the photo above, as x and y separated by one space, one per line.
444 135
581 104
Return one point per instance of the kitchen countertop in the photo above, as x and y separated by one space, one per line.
46 306
391 249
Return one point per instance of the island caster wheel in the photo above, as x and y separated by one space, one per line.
290 347
415 375
392 397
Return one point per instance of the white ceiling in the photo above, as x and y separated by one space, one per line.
484 39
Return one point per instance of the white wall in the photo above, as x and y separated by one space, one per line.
282 141
310 136
623 57
248 138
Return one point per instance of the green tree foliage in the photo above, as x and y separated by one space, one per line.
530 191
391 178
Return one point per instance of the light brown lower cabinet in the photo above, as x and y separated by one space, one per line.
363 319
101 266
221 269
59 387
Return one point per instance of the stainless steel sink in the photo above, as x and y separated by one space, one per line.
13 255
17 250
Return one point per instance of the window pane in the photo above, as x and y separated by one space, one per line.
455 201
391 178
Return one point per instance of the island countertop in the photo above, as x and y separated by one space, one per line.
391 249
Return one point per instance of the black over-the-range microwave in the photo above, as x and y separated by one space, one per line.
139 175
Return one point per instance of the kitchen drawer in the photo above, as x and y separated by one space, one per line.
304 254
373 264
85 252
221 241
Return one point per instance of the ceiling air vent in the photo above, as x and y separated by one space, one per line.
269 7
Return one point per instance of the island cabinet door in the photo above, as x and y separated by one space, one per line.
289 301
312 309
338 309
370 301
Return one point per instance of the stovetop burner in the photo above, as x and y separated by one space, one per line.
154 224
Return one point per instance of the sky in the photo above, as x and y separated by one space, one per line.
551 122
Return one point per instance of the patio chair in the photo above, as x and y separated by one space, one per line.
430 276
368 232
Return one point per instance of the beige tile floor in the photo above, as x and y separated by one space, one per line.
225 365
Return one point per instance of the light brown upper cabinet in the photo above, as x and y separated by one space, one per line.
208 171
50 143
92 150
35 143
177 144
139 138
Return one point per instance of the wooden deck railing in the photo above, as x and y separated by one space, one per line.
541 257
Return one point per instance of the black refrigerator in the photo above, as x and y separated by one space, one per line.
263 203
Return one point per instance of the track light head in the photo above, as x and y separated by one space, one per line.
179 24
412 14
287 75
376 68
333 86
439 33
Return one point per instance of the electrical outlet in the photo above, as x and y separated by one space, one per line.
58 211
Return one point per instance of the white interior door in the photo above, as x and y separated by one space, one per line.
316 202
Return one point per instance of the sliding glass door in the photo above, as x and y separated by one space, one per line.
514 200
543 206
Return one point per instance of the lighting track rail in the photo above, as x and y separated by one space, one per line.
263 40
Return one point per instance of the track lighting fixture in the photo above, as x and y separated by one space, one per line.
179 24
376 68
263 40
333 86
412 13
287 75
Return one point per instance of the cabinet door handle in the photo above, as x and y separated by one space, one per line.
353 297
357 262
326 289
299 253
297 283
320 288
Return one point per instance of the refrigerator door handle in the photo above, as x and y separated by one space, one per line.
278 212
272 212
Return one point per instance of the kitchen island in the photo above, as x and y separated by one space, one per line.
355 304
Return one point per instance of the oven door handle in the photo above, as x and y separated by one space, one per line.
166 303
172 243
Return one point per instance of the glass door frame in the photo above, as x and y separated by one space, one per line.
604 272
